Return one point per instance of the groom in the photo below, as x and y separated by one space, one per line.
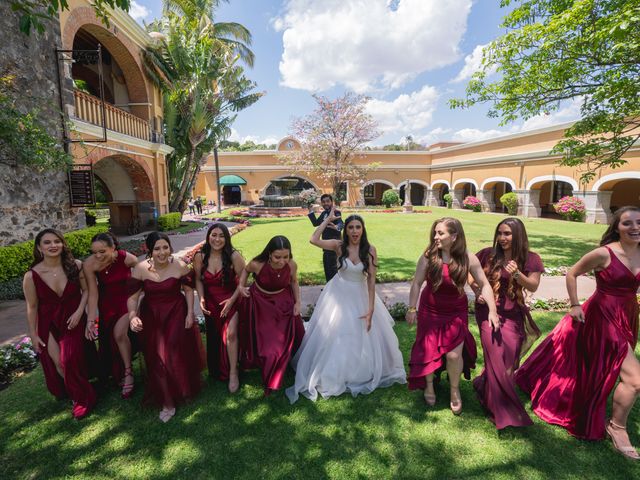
332 232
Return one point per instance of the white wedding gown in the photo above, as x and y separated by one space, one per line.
337 353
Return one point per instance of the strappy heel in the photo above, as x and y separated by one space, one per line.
629 452
127 388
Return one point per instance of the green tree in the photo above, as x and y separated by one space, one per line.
559 50
203 86
34 12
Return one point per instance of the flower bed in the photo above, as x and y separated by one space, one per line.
472 203
15 359
571 208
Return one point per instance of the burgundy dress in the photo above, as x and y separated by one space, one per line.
112 305
173 354
572 372
443 324
53 313
215 291
274 332
503 349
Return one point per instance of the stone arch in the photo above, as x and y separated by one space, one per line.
372 190
439 188
465 180
493 180
463 188
618 190
121 48
537 181
613 178
419 189
492 189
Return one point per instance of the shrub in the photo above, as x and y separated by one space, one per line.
169 221
398 310
472 203
15 259
448 199
510 201
571 209
390 197
11 289
90 217
14 358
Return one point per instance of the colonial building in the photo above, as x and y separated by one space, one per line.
128 157
487 169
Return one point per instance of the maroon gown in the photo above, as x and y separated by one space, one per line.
503 349
274 332
173 354
112 305
443 324
215 291
53 313
572 372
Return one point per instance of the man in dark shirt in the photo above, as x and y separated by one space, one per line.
332 232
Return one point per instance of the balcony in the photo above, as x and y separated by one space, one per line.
89 109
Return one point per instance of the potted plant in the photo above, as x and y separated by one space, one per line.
571 208
472 203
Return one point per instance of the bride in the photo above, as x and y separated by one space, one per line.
349 344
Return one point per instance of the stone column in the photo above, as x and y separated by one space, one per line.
486 199
425 197
458 197
432 197
528 203
598 206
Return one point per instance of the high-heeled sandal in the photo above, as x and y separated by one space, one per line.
429 398
167 414
127 388
629 452
456 407
234 383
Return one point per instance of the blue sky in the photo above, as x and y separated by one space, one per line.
409 56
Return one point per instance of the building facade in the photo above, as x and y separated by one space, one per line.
487 169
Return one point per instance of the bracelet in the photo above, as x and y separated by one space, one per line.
412 310
516 275
576 305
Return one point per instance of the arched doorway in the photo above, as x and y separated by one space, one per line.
462 189
372 191
232 189
614 191
547 190
418 192
492 189
438 190
132 204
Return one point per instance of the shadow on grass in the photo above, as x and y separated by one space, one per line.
388 434
556 250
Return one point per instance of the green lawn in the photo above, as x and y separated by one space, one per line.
388 434
400 239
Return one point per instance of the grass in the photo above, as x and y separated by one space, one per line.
388 434
400 239
186 227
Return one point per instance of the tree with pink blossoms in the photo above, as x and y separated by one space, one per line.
331 139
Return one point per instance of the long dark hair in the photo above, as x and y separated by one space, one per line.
519 254
279 242
150 242
612 234
459 266
108 238
363 249
69 266
227 253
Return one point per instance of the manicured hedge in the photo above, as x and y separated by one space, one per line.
169 221
15 259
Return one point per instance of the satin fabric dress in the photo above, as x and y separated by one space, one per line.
443 324
113 292
174 355
572 372
216 291
503 349
75 349
274 332
338 354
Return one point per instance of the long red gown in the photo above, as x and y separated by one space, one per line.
572 372
503 349
173 354
53 313
274 332
215 291
112 305
443 324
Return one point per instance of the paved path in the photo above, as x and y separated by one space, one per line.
13 320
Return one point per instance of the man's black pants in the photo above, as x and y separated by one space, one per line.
330 263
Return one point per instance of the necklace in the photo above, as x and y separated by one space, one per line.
113 260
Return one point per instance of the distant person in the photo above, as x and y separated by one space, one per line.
191 204
331 232
198 205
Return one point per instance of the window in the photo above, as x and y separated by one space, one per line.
369 191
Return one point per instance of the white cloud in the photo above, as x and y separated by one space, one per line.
472 64
268 140
571 111
138 12
407 113
367 45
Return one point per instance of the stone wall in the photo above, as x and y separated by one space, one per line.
30 200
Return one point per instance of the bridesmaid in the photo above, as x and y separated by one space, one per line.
108 271
56 295
511 269
275 328
217 268
443 336
572 372
173 350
